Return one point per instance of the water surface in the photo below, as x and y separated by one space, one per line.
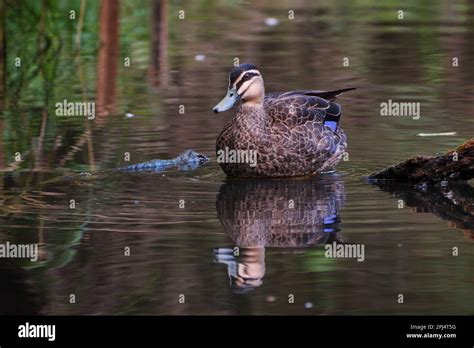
188 250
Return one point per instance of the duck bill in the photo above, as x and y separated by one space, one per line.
229 100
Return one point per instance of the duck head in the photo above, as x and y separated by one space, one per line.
246 84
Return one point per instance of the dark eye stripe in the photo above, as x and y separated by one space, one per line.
246 77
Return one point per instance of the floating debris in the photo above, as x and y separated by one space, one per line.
129 115
271 298
271 22
445 134
199 57
308 305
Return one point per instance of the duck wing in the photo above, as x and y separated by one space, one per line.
291 108
300 132
328 95
297 107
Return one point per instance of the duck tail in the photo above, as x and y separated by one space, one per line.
333 115
330 95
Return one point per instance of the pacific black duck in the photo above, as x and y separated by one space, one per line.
293 133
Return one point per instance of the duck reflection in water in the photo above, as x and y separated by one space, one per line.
279 213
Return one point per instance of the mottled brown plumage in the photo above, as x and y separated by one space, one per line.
286 130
